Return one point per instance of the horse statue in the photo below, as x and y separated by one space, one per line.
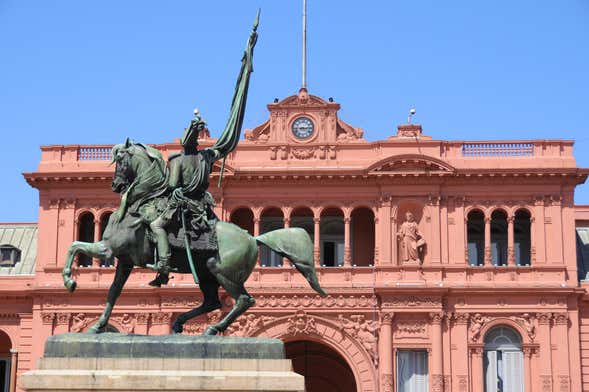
225 254
129 240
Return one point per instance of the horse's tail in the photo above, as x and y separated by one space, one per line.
296 245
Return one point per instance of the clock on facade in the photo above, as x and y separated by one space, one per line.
303 128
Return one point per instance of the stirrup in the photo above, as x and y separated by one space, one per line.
162 267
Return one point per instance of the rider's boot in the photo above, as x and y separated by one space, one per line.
159 280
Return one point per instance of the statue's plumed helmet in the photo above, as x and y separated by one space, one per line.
190 136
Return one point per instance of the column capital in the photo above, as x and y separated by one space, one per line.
561 318
13 351
544 318
386 318
436 317
477 350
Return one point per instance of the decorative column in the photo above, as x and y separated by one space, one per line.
561 354
347 255
376 257
545 369
476 364
384 230
13 368
96 261
385 352
527 351
488 258
437 369
510 242
286 213
316 239
532 241
459 356
393 239
539 243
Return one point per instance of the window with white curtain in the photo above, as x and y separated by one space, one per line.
412 373
503 362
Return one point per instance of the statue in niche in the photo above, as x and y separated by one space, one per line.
412 242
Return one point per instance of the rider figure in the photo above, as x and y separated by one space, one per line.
188 182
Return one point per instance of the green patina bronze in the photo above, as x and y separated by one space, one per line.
169 209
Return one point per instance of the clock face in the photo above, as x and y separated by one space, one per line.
303 128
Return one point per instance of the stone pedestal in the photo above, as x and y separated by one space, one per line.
115 362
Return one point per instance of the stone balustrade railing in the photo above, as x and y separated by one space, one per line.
504 150
449 149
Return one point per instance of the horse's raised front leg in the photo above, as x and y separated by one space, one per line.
122 273
92 249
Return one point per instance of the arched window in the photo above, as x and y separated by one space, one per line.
104 222
85 234
5 362
475 228
9 255
503 360
332 237
303 217
244 218
271 219
499 237
362 233
522 237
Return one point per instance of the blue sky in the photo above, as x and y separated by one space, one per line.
75 72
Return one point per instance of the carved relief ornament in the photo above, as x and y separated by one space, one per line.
306 301
412 301
364 331
300 323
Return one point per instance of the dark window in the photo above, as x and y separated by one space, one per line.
499 237
522 237
475 228
9 255
85 234
329 255
3 375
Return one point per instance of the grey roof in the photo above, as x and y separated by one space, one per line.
23 237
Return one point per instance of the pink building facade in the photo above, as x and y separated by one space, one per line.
481 287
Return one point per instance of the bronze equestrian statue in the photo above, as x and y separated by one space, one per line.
166 221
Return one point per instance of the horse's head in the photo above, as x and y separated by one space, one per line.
131 160
124 174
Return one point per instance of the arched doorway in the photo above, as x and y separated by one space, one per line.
324 369
5 346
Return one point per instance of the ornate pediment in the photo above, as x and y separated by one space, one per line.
411 164
317 117
303 99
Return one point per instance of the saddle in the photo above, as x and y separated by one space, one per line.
201 237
